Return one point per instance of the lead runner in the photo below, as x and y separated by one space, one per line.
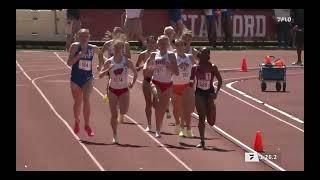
205 94
80 58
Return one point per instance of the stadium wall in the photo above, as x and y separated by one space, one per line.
48 25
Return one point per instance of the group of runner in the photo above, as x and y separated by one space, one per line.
171 69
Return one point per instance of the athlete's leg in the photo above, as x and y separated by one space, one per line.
201 106
113 102
188 102
87 89
161 107
77 97
124 100
146 87
176 101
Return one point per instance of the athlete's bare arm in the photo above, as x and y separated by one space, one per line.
150 61
193 75
140 60
195 56
96 50
127 50
73 59
135 73
105 46
218 75
106 67
173 64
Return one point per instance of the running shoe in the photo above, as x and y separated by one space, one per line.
121 118
189 134
76 128
201 145
181 134
105 99
115 140
158 135
148 128
89 131
297 63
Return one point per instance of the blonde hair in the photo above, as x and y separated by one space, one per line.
162 37
83 31
186 32
178 41
112 35
119 38
168 28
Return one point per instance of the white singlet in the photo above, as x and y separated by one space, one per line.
119 74
185 66
161 73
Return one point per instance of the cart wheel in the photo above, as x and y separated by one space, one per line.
263 86
278 86
284 85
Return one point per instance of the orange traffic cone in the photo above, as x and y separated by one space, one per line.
244 65
258 146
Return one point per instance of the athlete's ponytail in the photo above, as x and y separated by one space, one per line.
107 36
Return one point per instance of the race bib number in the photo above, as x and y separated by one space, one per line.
159 71
185 75
85 65
203 84
117 79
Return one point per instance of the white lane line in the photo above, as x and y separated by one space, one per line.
58 115
242 145
20 85
279 119
41 70
29 51
29 66
58 81
229 85
238 142
132 120
153 138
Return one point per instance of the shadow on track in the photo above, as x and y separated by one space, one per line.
107 144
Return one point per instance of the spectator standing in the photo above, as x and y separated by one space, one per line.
211 26
226 20
298 27
133 25
73 25
176 20
283 26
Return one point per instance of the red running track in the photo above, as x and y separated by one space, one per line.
44 141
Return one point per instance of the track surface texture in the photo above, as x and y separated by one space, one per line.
44 121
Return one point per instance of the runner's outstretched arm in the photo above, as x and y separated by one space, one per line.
73 59
218 75
100 56
135 74
173 64
106 67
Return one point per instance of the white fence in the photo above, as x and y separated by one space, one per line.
40 25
